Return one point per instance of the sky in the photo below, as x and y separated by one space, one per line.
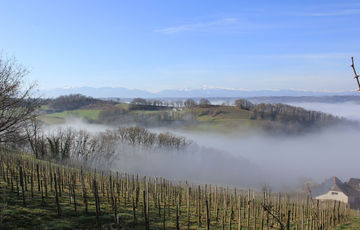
156 45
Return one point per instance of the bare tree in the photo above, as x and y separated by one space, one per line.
34 136
356 75
204 102
244 104
17 105
189 103
139 101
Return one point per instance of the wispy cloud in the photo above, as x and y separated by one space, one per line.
199 26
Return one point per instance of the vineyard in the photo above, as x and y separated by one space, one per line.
44 195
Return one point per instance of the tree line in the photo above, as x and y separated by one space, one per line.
141 103
74 101
294 117
64 145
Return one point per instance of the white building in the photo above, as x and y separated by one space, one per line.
335 189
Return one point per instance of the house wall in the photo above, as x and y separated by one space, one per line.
334 195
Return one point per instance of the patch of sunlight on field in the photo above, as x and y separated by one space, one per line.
44 107
122 105
59 118
52 120
91 114
225 126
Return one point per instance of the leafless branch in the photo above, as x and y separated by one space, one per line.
356 76
268 209
17 104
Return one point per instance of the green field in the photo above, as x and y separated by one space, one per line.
223 119
352 224
122 106
56 118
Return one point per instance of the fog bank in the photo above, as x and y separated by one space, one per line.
251 159
285 160
349 110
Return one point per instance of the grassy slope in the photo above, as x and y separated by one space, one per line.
44 216
89 114
223 119
13 215
38 215
216 118
353 224
122 105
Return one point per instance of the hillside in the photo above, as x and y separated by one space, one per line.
224 118
46 195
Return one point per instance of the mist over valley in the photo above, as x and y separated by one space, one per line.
238 156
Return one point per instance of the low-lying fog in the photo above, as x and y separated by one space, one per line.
289 160
349 110
78 124
256 158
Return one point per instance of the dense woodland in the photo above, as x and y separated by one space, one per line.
284 113
288 118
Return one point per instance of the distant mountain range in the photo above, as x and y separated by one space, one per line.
120 92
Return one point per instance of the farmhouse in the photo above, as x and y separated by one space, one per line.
335 189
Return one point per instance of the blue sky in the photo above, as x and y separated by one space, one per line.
155 45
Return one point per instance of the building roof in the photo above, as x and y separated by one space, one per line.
354 182
333 184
